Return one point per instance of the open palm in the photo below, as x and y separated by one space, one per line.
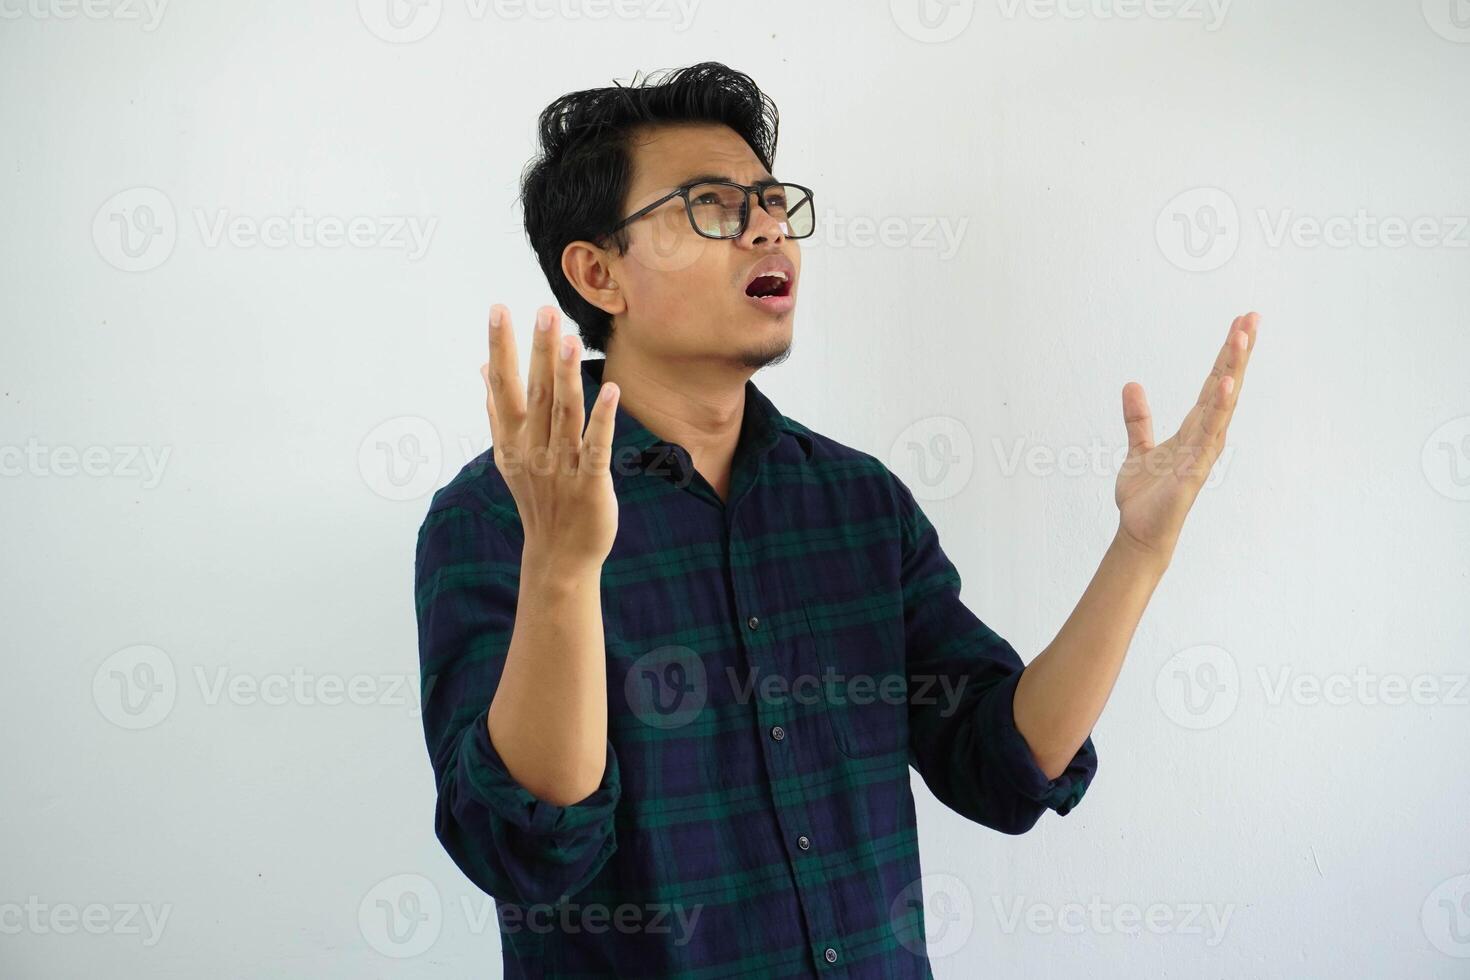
1158 483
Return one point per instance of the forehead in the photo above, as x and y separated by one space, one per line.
665 156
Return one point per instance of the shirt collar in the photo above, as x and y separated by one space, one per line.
761 428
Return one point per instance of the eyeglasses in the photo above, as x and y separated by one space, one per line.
721 208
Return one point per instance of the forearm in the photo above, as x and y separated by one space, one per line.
548 718
1062 692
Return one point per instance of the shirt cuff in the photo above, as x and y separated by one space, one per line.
484 772
1017 763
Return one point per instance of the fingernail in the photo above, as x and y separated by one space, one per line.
543 320
566 349
608 391
495 318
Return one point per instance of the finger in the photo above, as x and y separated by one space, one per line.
1230 359
1217 413
1217 370
1217 400
490 404
503 374
541 378
596 456
1137 418
1248 325
567 412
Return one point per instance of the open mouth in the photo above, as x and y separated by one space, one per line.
770 285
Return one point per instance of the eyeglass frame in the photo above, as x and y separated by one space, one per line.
756 189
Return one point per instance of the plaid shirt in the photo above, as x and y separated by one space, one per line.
775 663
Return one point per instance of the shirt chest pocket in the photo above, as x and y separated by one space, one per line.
857 639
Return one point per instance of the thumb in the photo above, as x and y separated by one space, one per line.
1137 418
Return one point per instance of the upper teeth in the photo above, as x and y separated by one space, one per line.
778 274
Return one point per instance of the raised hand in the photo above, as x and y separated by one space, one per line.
1158 484
559 476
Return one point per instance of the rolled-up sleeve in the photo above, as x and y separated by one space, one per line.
511 844
962 677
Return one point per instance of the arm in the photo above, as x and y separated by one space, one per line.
1061 695
1063 691
962 677
512 843
556 667
510 640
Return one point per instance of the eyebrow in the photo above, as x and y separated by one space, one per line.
698 178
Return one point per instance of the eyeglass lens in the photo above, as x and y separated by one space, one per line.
718 210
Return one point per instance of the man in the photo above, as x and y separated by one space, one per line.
678 650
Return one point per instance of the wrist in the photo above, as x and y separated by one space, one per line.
546 567
1138 556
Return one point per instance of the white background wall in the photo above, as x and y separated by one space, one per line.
272 539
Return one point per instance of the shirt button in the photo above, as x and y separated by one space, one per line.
804 842
753 622
830 954
778 733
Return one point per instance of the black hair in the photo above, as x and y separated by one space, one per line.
573 190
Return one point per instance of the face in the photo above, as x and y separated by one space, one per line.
676 295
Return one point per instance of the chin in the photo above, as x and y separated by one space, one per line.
769 354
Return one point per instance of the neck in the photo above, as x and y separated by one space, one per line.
693 403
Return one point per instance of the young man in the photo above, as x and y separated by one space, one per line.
677 663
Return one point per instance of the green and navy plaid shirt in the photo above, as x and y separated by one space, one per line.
775 664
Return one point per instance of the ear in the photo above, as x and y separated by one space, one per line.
587 267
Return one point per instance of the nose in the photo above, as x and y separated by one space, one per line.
760 226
